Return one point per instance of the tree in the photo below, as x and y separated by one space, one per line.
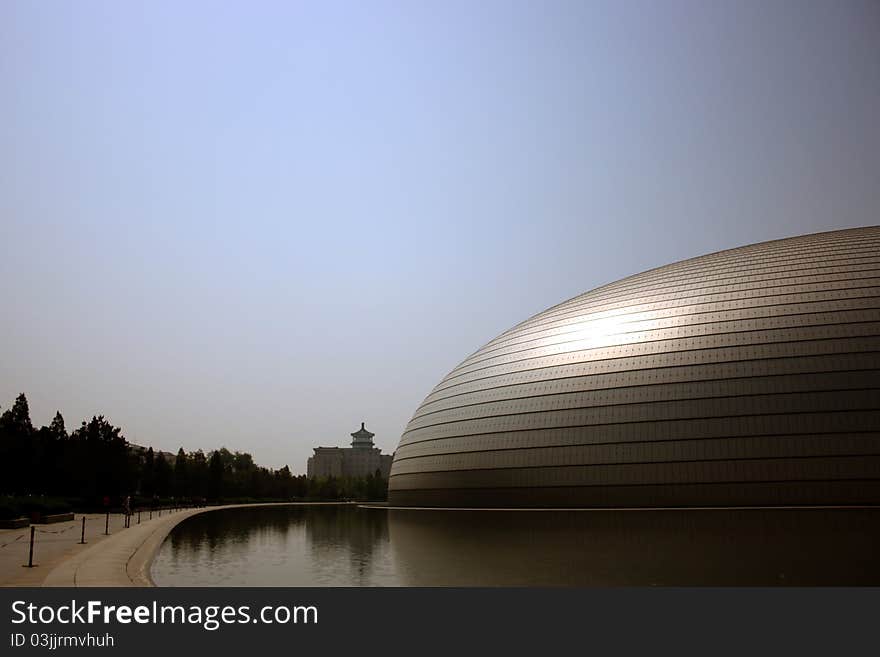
148 474
101 464
181 477
198 474
49 456
18 418
163 476
56 427
17 453
216 471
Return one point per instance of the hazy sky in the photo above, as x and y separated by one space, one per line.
257 224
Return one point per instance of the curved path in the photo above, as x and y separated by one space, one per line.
124 559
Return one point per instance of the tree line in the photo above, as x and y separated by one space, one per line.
96 461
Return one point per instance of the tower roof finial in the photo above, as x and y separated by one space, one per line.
362 437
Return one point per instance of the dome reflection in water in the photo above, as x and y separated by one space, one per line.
350 546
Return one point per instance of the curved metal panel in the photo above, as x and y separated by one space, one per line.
743 377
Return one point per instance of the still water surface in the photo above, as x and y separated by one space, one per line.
324 545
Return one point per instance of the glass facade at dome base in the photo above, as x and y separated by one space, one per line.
747 377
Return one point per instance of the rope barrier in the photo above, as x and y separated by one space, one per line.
105 516
13 540
74 525
50 531
59 531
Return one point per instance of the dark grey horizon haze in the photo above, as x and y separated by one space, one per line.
255 225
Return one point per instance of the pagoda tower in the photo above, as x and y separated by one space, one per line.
362 438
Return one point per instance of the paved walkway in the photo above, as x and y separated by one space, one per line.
52 544
60 559
121 559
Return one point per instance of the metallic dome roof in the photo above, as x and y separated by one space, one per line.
744 377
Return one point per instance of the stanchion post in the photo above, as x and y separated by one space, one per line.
82 538
107 525
139 517
31 553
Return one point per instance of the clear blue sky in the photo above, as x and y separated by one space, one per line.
257 224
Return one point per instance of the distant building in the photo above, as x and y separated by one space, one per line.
359 460
141 451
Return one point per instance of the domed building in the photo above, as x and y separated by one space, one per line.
744 377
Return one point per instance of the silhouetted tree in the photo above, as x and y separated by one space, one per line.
18 418
100 457
17 449
198 474
181 475
148 474
215 475
49 457
162 476
56 427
